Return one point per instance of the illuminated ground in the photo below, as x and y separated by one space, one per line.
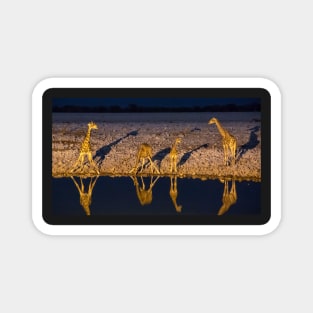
115 143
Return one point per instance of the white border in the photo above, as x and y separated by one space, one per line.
142 82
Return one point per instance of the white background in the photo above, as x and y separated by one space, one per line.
270 39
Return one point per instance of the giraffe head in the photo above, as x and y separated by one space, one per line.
92 125
85 201
178 208
213 120
178 140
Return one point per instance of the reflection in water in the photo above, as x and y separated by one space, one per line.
85 197
144 195
174 193
229 197
192 195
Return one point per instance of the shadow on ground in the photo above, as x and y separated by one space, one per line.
105 150
159 156
187 155
251 144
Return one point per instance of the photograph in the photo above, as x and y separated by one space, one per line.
156 156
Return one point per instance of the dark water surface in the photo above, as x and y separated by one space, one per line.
119 195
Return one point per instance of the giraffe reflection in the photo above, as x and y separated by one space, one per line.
174 193
229 197
85 196
144 195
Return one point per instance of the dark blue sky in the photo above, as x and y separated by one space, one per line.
168 102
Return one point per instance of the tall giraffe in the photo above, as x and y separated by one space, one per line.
229 197
85 150
173 155
174 193
144 195
229 142
144 152
85 197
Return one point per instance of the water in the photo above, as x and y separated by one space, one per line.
132 196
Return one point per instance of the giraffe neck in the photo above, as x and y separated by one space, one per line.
220 129
86 143
173 194
173 150
173 189
87 137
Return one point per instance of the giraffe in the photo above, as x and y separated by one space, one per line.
173 155
229 141
144 195
85 150
229 197
174 193
144 152
85 197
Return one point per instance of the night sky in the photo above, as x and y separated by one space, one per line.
154 104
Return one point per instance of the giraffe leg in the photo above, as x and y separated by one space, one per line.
89 157
171 165
76 184
233 155
79 161
175 165
234 149
225 189
153 165
142 164
135 167
225 154
228 155
74 166
92 162
82 186
95 166
233 190
94 182
82 161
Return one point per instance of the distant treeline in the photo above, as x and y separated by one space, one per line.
134 108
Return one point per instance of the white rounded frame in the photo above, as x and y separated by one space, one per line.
160 82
